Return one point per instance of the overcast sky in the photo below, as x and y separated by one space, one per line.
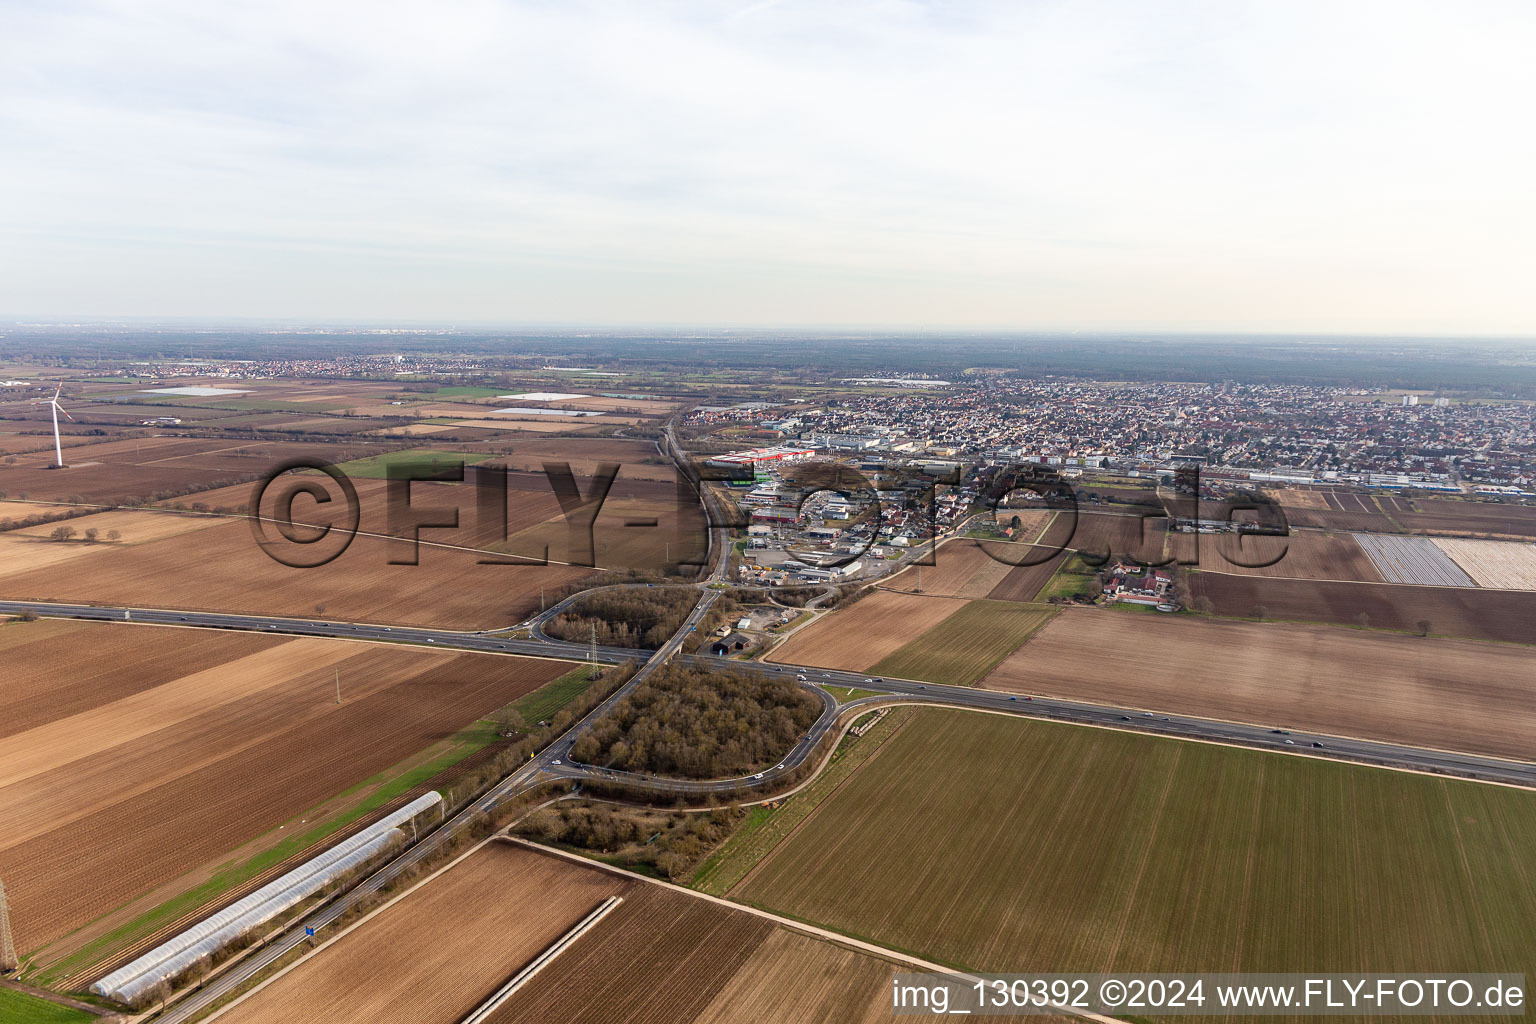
1290 166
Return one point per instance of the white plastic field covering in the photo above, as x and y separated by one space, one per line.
174 956
1413 560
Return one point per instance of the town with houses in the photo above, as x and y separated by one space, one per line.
1272 434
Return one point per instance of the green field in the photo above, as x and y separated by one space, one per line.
766 826
1075 578
20 1008
460 391
377 466
966 646
546 702
997 844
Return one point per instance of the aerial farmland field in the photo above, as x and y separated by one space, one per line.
1023 582
874 627
139 469
1498 564
1507 616
1103 536
998 844
221 568
1304 554
1443 693
1452 517
967 645
668 956
1413 560
439 952
137 759
961 568
660 955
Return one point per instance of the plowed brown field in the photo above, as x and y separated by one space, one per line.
221 568
1509 616
1301 555
1450 694
1449 517
1327 519
668 956
660 956
962 568
856 637
142 753
437 954
112 472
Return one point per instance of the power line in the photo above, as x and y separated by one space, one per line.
8 959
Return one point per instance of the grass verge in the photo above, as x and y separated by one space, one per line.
550 699
21 1008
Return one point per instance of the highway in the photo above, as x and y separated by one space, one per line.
471 641
553 763
1139 719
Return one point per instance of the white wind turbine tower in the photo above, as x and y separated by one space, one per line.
58 446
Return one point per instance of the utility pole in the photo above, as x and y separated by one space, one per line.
8 960
338 686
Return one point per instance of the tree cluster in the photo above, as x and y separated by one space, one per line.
700 723
669 844
631 617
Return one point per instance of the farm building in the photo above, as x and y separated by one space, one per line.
735 643
1135 584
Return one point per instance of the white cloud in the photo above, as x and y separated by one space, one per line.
1359 166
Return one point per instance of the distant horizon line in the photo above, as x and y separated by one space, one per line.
683 329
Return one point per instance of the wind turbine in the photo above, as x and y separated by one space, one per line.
58 446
